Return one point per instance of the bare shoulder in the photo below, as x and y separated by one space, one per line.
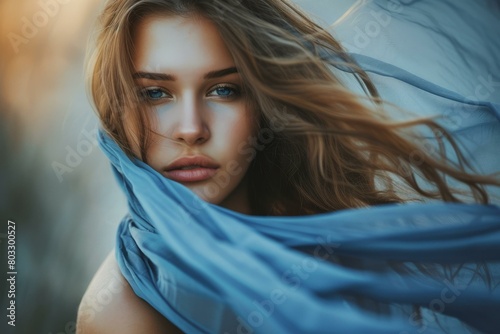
110 306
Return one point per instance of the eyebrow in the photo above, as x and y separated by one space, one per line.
168 77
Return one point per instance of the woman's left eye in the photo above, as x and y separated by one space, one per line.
224 91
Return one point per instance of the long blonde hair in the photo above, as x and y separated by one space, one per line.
333 150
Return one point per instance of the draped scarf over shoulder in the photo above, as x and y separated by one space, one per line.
211 270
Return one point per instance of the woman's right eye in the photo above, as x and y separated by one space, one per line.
155 94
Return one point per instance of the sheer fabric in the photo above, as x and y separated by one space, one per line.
211 270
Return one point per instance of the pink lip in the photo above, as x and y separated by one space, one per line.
200 168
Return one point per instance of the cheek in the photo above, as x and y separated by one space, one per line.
236 132
162 117
243 128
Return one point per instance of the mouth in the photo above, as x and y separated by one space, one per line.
191 169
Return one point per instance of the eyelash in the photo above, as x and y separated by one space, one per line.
234 89
235 92
145 91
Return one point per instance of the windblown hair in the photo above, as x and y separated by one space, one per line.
333 149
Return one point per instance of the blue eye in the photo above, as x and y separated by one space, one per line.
224 91
154 94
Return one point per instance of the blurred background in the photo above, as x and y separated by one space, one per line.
55 183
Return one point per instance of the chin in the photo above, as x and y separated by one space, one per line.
206 193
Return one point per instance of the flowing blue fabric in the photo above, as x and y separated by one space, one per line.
211 270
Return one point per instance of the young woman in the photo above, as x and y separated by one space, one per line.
223 119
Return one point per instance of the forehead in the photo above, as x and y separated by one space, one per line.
180 43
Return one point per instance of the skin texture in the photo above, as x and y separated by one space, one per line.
195 115
111 306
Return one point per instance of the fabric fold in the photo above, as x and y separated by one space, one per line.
208 270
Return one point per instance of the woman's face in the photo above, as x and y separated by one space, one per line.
184 69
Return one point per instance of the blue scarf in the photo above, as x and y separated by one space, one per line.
211 270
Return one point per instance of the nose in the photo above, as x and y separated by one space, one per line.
191 127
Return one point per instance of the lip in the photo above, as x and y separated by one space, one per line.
200 168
